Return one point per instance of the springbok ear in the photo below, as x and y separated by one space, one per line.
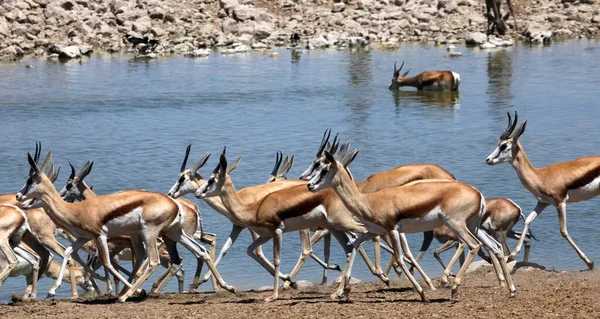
85 170
350 158
233 165
200 163
405 73
519 131
34 168
288 165
53 174
330 158
47 161
72 172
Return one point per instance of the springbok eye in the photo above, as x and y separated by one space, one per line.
69 186
502 147
181 179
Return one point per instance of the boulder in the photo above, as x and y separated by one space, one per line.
317 43
69 52
198 53
338 7
476 38
243 13
263 30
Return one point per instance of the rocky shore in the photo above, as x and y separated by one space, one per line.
43 27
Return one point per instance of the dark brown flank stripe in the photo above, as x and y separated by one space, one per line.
416 210
122 210
585 179
304 205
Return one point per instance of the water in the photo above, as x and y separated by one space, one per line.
135 119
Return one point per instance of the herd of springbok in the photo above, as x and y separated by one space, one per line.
145 227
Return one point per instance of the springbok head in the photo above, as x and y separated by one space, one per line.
508 143
189 179
37 182
319 159
277 174
397 78
214 184
75 186
327 174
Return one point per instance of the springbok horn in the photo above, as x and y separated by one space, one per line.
394 76
72 171
277 163
187 154
324 141
334 145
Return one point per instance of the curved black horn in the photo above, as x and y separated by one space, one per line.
401 66
334 145
187 154
395 69
278 158
324 141
510 127
72 171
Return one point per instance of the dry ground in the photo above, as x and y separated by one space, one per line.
541 294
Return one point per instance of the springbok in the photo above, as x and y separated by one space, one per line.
501 215
13 227
42 226
415 207
190 180
428 80
555 184
132 212
289 209
76 189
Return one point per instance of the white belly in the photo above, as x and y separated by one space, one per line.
585 192
374 228
316 217
130 223
456 80
430 221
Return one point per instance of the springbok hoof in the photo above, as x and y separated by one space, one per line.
50 295
229 288
272 298
454 294
591 264
336 267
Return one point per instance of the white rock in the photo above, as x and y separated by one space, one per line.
258 45
476 38
199 53
69 52
487 45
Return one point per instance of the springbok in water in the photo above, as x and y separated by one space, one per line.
428 80
555 184
415 207
132 213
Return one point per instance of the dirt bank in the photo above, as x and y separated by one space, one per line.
40 27
541 294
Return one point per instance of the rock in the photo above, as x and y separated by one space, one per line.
338 7
274 54
243 13
198 53
596 18
554 17
70 52
263 30
85 49
476 38
317 43
10 52
487 45
364 4
258 46
4 28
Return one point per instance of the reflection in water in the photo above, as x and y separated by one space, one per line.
296 55
360 78
428 98
499 67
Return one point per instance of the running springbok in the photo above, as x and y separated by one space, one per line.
42 226
501 215
76 189
289 209
132 212
13 227
555 184
428 80
415 207
189 181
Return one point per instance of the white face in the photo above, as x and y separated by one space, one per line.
311 171
502 153
210 188
30 189
322 178
185 184
70 192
